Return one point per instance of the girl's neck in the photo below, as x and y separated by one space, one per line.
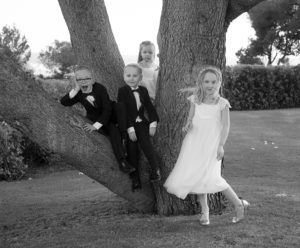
146 64
211 99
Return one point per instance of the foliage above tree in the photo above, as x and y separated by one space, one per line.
60 58
12 41
277 27
246 58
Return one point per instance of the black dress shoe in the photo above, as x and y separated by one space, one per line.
125 166
136 184
155 175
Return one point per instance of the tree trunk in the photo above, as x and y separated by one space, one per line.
93 41
200 28
192 34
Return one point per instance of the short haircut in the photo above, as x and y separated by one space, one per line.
136 66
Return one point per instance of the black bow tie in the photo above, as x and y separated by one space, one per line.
136 90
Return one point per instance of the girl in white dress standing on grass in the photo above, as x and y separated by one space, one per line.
198 168
146 59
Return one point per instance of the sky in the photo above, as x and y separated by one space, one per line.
41 22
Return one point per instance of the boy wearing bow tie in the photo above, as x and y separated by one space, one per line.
136 101
101 111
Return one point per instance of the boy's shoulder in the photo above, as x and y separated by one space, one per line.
98 86
122 88
143 88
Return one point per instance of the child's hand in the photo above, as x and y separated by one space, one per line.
89 128
132 136
220 152
188 126
152 131
75 83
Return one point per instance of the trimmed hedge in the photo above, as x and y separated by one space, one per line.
249 87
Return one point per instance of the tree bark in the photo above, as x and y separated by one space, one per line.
23 102
191 34
238 7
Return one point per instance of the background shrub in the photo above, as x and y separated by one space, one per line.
12 165
249 87
18 153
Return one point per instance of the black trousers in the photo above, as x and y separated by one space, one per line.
118 118
116 130
143 140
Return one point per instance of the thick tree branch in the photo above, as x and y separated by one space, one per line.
53 126
238 7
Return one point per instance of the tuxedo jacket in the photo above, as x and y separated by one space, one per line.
126 96
97 104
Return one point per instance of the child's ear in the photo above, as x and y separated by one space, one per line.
141 77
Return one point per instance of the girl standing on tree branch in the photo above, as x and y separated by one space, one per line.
150 69
198 168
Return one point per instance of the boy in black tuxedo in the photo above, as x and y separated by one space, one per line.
136 100
101 111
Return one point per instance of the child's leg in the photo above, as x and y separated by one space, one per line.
202 198
240 205
115 140
133 156
119 117
204 217
142 133
232 197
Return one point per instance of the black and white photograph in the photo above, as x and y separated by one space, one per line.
149 124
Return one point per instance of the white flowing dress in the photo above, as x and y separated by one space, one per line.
197 170
149 80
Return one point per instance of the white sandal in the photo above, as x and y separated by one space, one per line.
240 212
204 219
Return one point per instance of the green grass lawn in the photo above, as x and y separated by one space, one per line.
262 156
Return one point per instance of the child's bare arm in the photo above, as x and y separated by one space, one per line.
225 120
188 124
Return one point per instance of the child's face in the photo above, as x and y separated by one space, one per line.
148 53
132 76
84 80
211 84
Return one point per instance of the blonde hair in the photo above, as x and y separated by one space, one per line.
143 44
136 66
199 92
